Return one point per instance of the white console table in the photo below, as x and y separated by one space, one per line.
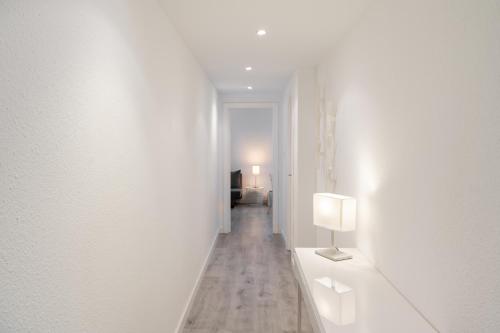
351 296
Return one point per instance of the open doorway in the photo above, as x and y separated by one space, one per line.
250 161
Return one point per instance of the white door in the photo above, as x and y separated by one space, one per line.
292 126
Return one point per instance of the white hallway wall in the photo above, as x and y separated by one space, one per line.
252 144
108 134
417 91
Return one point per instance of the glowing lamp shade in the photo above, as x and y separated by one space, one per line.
255 169
334 211
335 301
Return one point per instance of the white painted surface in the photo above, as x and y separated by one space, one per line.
226 163
417 91
222 35
286 166
361 299
252 144
250 97
108 139
285 170
299 115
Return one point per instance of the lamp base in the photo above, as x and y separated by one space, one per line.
333 253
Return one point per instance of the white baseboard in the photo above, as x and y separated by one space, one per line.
189 305
285 239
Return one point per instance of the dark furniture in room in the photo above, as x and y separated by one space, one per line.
236 187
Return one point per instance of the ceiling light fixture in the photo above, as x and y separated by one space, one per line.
261 32
250 88
248 69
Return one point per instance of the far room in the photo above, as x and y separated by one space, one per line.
251 146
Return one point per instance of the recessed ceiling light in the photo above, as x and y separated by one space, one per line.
248 68
250 88
261 32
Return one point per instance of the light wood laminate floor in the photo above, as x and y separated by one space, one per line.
249 284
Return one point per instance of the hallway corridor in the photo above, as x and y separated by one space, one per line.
249 284
129 128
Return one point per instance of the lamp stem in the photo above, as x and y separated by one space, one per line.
333 238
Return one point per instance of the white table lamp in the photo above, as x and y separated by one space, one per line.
255 172
334 212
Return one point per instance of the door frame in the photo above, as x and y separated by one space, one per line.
226 165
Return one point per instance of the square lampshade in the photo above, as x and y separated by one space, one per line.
334 211
255 169
335 301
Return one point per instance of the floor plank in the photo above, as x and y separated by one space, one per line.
249 284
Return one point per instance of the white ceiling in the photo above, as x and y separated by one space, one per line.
222 36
